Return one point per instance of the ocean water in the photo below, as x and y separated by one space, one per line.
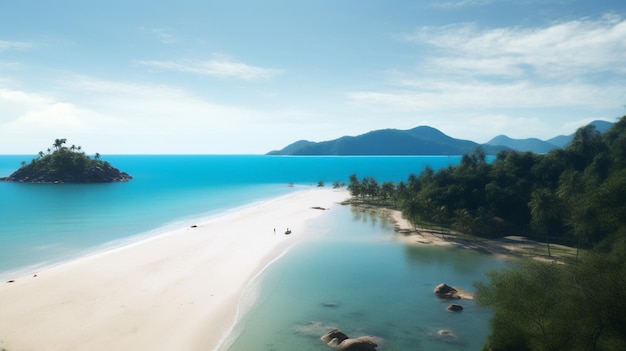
43 224
376 286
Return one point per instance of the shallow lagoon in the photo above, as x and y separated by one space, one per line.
353 276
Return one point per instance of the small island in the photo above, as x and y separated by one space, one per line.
63 164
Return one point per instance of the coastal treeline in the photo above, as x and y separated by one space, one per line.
575 195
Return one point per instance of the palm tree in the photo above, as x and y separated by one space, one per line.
412 210
355 187
97 156
41 153
58 143
440 216
545 208
463 220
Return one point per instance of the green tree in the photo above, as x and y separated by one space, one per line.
387 191
370 187
542 306
545 209
58 143
526 313
355 187
585 145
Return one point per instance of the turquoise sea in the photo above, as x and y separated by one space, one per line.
376 286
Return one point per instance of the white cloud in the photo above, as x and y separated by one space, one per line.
118 117
509 71
523 82
157 109
221 67
34 120
15 45
432 95
564 49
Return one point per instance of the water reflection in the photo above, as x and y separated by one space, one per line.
376 216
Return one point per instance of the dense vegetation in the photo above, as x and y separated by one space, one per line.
539 306
63 164
575 195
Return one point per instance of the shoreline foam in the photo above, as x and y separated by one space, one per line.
178 290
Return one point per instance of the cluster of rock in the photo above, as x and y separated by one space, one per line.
337 339
445 291
340 341
97 174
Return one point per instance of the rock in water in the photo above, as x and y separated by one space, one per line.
337 339
446 291
363 343
335 336
454 307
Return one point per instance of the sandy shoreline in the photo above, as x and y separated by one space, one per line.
176 291
507 248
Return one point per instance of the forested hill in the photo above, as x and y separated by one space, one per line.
421 140
424 140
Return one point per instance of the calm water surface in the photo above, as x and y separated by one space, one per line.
354 277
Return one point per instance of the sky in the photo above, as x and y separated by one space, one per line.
248 77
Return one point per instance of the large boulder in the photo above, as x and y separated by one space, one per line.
362 343
454 308
446 291
337 339
334 337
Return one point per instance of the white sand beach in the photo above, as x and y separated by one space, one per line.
175 291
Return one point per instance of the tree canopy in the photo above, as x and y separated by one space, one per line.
572 195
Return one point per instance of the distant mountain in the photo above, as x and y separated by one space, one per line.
421 140
562 140
531 144
543 146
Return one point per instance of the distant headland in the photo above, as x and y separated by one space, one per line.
63 164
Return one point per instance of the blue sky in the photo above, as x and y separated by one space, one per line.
247 77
